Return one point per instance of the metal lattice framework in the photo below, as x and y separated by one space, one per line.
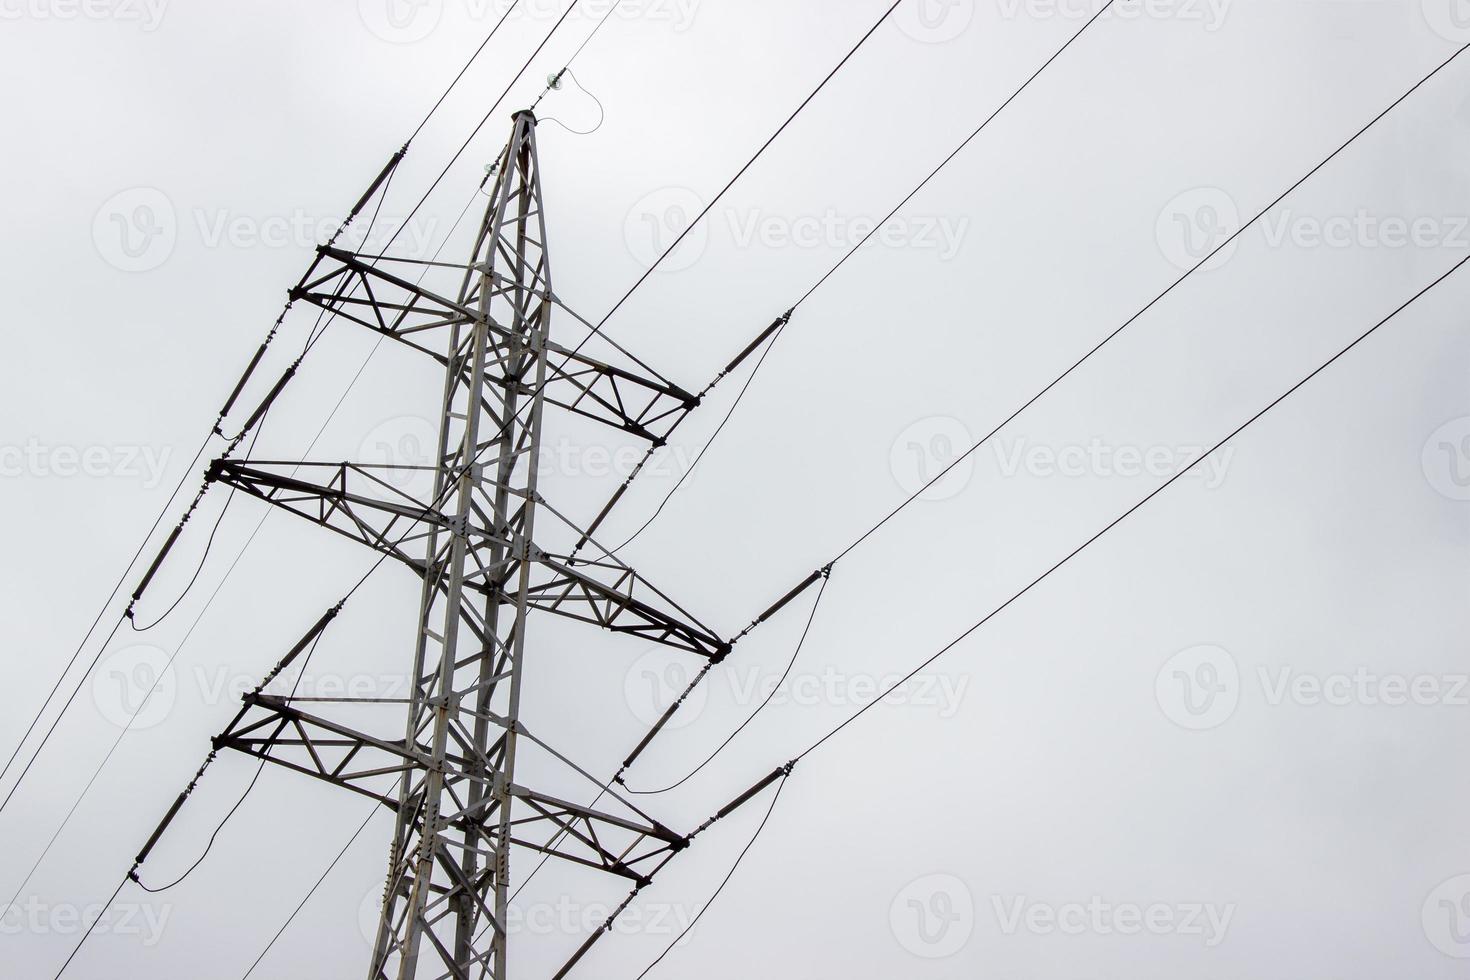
460 811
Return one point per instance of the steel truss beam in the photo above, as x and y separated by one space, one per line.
271 728
358 503
353 287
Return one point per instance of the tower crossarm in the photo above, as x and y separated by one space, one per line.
273 729
360 503
632 398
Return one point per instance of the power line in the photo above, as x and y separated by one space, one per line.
301 675
71 698
1039 579
473 58
402 226
957 151
862 538
321 879
790 665
1124 516
210 602
481 124
316 334
215 430
743 170
122 579
82 941
1152 303
770 345
775 334
776 798
555 80
731 184
853 251
1132 510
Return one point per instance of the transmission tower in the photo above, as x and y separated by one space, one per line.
461 814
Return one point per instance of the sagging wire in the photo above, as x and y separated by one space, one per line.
553 82
216 430
257 424
133 874
826 574
601 110
87 788
774 336
739 860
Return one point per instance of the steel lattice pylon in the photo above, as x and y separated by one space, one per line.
459 810
438 831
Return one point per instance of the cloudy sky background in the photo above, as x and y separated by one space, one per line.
1055 781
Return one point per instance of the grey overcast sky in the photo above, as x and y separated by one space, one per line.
1227 740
